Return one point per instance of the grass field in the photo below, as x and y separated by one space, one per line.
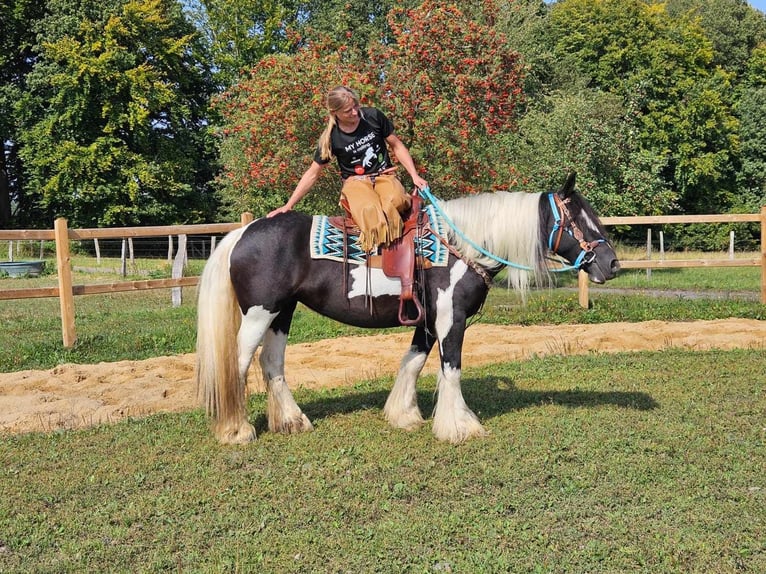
635 462
628 462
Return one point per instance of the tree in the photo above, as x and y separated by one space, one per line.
590 132
114 118
663 66
359 24
733 26
751 179
271 121
16 59
454 85
241 32
450 85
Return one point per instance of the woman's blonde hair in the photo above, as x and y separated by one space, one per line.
337 98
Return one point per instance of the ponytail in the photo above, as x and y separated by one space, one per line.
325 150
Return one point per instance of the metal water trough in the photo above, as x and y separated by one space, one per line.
22 268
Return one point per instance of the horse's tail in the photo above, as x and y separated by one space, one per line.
218 321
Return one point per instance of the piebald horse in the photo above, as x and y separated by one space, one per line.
258 274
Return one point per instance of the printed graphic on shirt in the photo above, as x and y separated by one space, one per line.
364 150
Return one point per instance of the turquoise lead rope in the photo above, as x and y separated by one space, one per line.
426 192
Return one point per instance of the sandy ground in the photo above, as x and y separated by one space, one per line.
74 396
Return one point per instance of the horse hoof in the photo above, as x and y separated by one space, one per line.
470 429
293 426
409 421
244 434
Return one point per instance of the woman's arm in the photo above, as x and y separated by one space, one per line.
404 157
307 181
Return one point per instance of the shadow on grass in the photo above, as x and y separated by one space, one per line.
494 396
488 396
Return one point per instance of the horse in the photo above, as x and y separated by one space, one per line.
253 281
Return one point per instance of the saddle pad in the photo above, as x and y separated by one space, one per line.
327 241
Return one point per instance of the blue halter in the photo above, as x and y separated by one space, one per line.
582 259
587 253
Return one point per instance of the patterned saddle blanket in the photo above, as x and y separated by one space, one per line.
327 241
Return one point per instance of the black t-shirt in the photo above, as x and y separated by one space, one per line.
364 150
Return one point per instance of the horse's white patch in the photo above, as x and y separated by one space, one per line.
589 221
374 284
254 325
444 300
272 358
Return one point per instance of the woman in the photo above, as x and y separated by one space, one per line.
359 137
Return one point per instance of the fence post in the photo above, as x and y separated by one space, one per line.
123 259
582 283
66 296
246 218
177 271
763 254
649 251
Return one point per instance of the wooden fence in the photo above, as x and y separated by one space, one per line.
66 290
676 263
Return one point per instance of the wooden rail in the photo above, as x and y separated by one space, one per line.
680 263
66 290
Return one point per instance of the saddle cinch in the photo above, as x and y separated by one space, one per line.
397 260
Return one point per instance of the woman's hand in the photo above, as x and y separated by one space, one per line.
278 210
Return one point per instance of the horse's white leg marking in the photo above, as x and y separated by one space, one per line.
401 410
283 412
453 420
444 317
254 324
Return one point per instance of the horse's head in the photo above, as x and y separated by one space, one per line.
575 232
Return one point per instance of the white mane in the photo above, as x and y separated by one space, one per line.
505 224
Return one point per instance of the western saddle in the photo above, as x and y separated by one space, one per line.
397 260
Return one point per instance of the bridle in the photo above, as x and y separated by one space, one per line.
563 221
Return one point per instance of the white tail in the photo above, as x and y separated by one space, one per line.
218 319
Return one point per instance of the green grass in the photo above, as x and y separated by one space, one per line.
634 462
138 325
630 462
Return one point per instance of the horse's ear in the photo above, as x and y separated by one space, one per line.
569 185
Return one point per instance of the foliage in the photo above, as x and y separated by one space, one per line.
734 28
592 133
450 85
663 67
359 24
272 121
105 117
241 32
454 85
16 58
115 113
751 178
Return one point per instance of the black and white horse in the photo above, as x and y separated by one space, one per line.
253 281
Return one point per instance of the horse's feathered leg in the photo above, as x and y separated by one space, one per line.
401 410
453 420
284 414
219 384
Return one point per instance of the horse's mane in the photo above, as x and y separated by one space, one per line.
505 224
